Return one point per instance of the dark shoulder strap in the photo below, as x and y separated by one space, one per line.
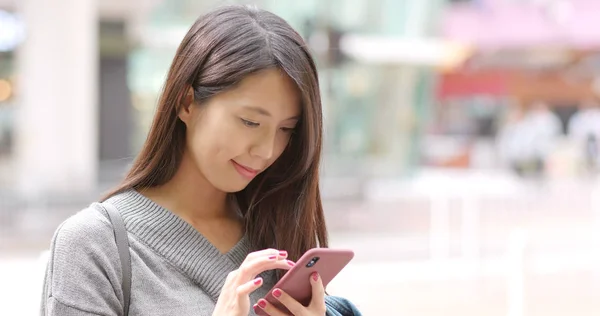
123 247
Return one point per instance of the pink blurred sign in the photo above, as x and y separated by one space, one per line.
495 24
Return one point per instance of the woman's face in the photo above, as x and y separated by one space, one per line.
237 134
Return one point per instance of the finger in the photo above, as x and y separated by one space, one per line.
269 308
289 302
317 302
251 269
277 255
263 255
258 310
249 287
267 253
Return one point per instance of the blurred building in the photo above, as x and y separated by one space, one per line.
83 91
376 61
65 105
530 50
521 53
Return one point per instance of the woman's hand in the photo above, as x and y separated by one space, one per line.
234 299
315 308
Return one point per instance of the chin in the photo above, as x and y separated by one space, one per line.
233 187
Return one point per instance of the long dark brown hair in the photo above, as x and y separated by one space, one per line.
282 206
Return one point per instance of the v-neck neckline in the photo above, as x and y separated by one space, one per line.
179 242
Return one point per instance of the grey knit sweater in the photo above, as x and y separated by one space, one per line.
175 270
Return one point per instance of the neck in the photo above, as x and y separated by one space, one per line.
190 195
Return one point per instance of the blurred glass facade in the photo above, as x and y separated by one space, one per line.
374 109
11 36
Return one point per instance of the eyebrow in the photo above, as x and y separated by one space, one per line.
264 112
258 110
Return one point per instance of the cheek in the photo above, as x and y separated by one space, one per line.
214 143
281 144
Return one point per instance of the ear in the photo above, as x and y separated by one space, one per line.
187 109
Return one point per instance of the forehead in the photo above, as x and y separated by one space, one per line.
272 90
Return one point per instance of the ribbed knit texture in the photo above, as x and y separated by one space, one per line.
175 270
177 241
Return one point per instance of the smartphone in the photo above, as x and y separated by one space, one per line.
325 261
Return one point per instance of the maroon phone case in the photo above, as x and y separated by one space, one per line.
296 281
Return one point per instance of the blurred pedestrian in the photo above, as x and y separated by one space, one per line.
528 138
584 130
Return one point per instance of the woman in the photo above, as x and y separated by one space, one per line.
224 194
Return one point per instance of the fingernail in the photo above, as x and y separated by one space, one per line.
315 276
291 263
277 292
272 257
258 281
283 253
262 303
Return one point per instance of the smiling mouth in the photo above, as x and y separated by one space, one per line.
246 172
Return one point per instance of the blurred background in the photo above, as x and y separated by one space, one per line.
462 140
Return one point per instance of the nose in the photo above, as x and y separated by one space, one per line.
264 147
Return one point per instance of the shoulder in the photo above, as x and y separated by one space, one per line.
89 227
84 263
84 239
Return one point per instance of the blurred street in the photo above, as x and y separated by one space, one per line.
385 279
545 252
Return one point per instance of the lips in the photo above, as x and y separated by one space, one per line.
244 171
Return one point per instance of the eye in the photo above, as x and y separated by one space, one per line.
249 123
290 130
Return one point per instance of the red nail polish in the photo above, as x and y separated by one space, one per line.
272 257
277 292
262 303
315 276
291 263
258 281
283 253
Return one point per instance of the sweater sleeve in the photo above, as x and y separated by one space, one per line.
83 276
